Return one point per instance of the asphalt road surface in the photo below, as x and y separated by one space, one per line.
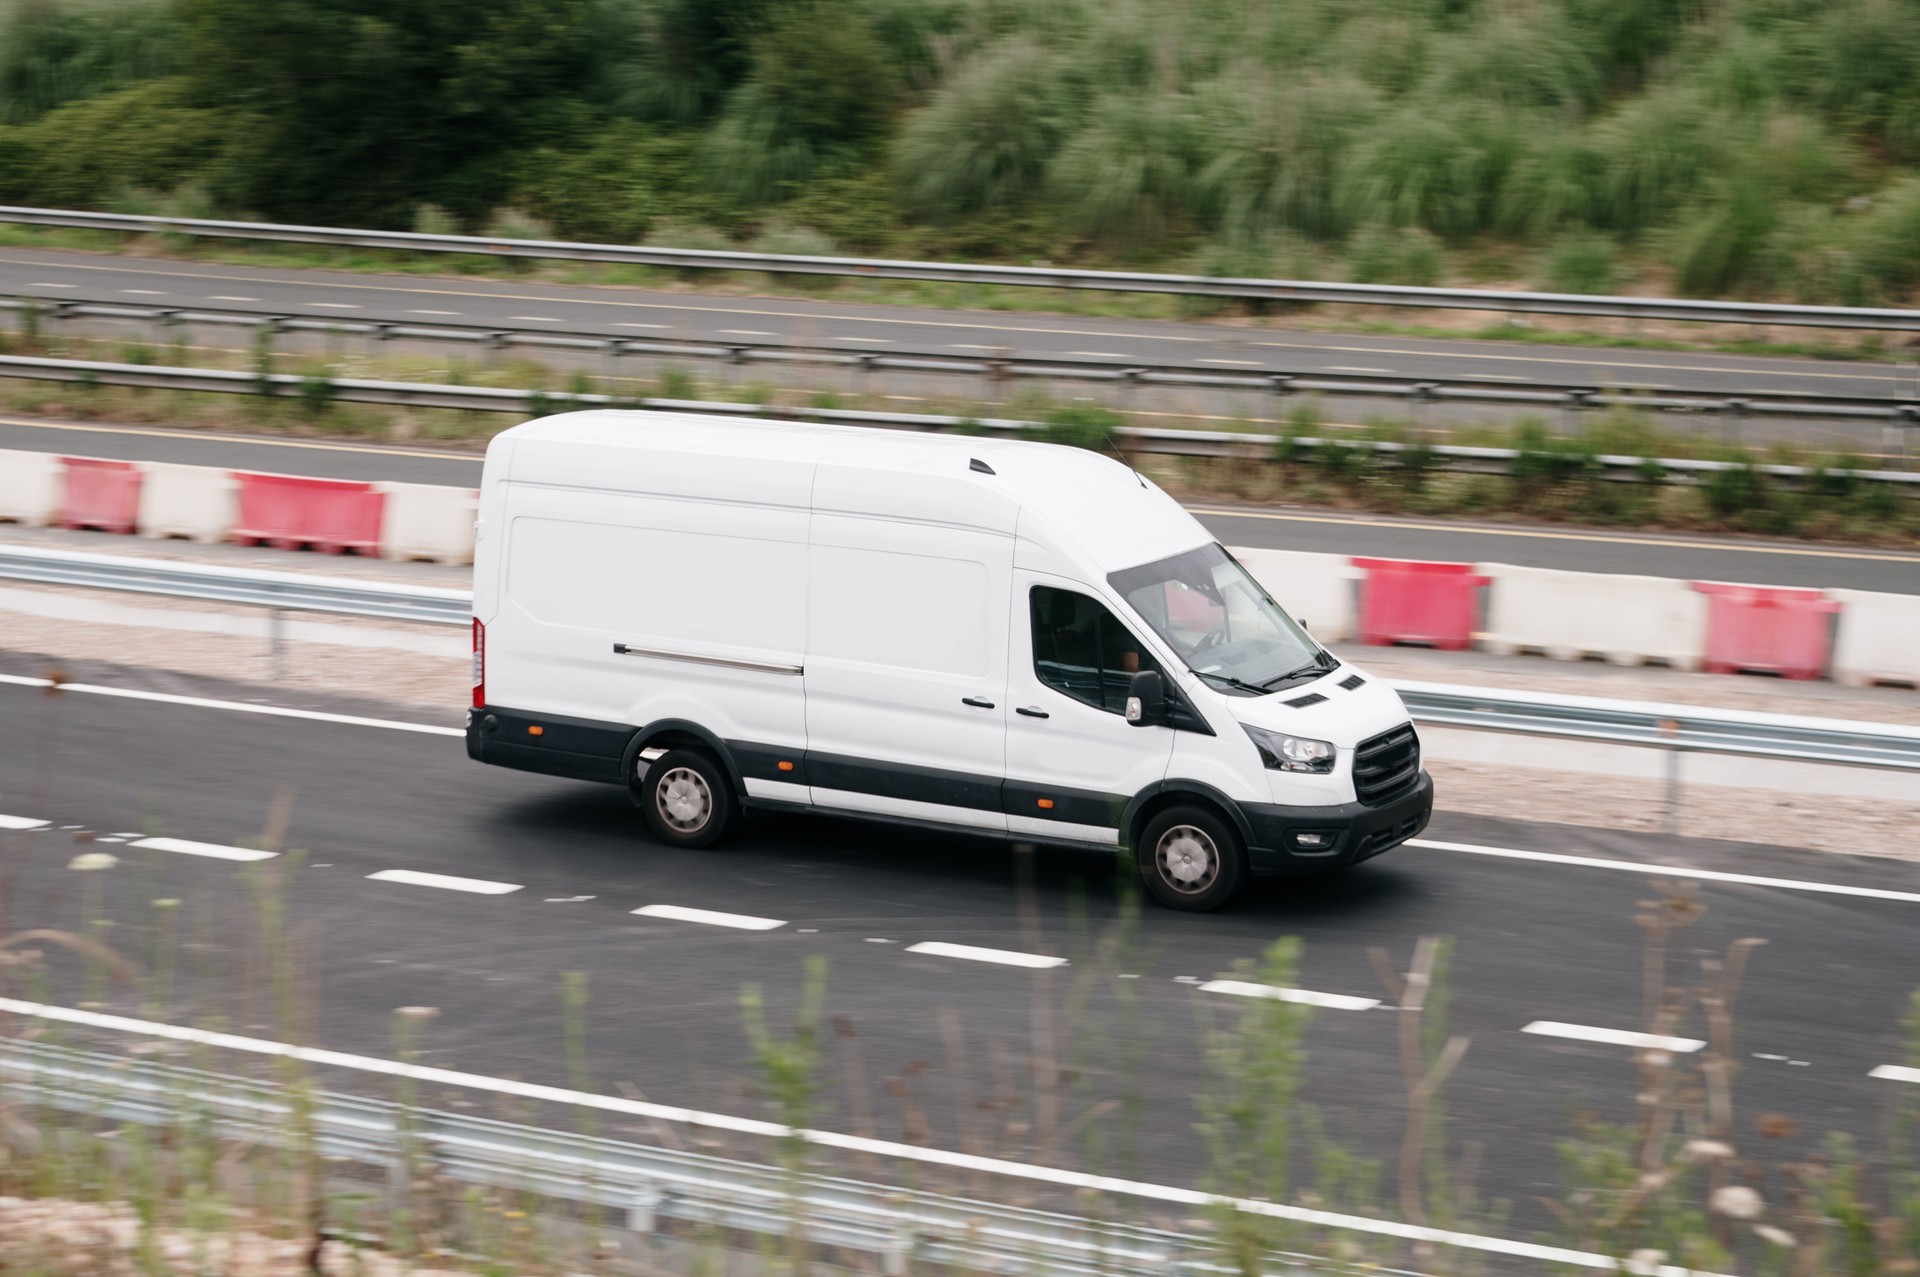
944 1050
1755 560
883 329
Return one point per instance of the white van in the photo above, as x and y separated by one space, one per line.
1008 638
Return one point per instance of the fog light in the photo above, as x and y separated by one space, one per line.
1314 841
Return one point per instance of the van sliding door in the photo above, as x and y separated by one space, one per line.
906 669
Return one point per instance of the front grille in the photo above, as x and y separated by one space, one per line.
1386 766
1382 839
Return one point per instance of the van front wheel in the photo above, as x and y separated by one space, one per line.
1190 859
687 799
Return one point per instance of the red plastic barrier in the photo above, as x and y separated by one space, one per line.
101 494
290 512
1767 629
1407 601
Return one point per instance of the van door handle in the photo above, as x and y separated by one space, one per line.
1032 712
976 702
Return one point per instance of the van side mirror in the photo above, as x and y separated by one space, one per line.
1146 700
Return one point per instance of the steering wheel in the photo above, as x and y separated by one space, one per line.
1211 639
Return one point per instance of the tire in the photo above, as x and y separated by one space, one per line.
687 799
1191 859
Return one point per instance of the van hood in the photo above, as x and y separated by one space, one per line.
1345 718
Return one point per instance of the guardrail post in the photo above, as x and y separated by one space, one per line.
643 1212
897 1259
276 642
169 322
379 335
1280 384
1909 418
1423 397
59 311
1736 414
490 346
1578 401
610 357
1670 730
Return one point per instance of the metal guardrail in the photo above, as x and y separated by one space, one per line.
1576 397
1141 439
653 1186
1272 290
1679 728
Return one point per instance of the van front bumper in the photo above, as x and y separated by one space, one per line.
1357 832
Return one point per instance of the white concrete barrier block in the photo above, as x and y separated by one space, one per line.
1319 589
32 486
1878 639
198 503
424 521
1628 620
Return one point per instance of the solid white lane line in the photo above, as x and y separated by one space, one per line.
53 285
414 878
1614 1037
1238 363
143 292
973 953
445 313
535 319
1896 1073
1670 871
1307 997
230 297
745 332
1357 368
212 850
1098 354
21 822
874 341
1187 1197
712 918
239 707
643 325
335 305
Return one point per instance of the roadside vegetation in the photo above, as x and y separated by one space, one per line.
1763 147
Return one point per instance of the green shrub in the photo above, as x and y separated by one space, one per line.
151 136
1382 255
1738 490
1579 264
55 53
1083 426
985 138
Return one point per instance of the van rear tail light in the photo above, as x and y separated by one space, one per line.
479 664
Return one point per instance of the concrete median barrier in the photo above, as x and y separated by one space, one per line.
1570 616
1316 588
193 503
31 484
425 521
1878 640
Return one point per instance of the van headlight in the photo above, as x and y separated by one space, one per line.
1283 753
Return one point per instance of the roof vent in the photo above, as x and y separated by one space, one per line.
1352 681
979 467
1311 698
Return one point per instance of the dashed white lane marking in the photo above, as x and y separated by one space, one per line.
745 332
414 878
21 822
630 325
198 702
335 305
53 285
1492 376
871 341
1614 1037
535 319
972 953
1896 1073
1307 997
1357 368
1098 354
211 850
231 297
143 292
1191 1199
738 921
1670 871
443 313
1237 363
961 345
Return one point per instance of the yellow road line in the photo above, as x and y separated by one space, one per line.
316 444
1542 535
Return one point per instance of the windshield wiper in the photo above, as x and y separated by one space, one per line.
1257 689
1314 667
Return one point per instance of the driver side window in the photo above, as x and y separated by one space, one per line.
1081 649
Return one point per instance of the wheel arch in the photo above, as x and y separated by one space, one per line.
670 732
1163 794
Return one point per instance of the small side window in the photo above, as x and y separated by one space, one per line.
1081 649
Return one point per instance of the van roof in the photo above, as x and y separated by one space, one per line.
1105 511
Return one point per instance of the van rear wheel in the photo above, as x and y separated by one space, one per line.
1190 859
687 800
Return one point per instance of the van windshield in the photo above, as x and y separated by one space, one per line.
1226 628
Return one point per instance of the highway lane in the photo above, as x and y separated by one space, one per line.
1534 942
422 300
1754 559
